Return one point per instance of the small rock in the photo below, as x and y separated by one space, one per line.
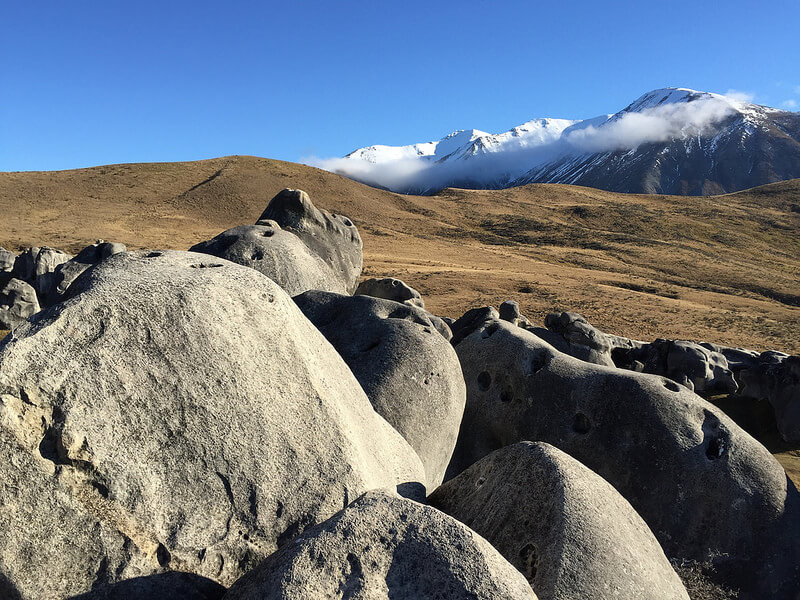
390 289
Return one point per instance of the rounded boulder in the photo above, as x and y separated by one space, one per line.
176 412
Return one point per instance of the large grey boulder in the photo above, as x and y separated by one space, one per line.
401 356
7 259
696 366
383 547
332 237
676 458
562 526
776 377
18 301
67 272
296 245
391 289
176 412
691 364
583 339
36 267
278 254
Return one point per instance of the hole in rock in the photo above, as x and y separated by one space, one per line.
581 424
716 448
153 254
480 481
268 233
506 396
257 255
163 556
484 381
206 265
671 385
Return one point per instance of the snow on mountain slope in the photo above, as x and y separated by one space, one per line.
468 142
670 140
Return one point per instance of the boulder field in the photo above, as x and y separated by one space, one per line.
247 420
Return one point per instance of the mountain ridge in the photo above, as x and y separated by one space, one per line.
668 141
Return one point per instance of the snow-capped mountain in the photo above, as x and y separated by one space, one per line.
468 142
671 141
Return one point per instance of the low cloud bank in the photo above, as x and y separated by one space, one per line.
622 132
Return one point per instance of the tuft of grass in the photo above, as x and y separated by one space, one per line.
698 579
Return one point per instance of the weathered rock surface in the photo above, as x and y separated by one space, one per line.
278 254
776 378
176 412
676 458
18 301
7 259
688 363
562 526
36 266
297 245
171 585
696 366
391 289
332 237
385 547
583 339
403 361
67 272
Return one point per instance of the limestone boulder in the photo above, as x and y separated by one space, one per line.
583 339
776 377
401 356
67 272
692 365
7 259
509 311
334 238
676 458
383 547
278 254
562 526
37 265
391 289
18 301
176 412
696 366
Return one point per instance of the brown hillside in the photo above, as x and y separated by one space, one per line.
722 268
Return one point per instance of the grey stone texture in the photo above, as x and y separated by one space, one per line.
676 458
391 289
18 301
383 547
562 526
401 357
176 412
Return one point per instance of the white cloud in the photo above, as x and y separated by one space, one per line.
790 104
659 124
740 96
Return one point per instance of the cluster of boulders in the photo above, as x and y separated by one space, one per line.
39 277
707 369
245 420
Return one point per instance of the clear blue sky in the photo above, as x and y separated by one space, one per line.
88 83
